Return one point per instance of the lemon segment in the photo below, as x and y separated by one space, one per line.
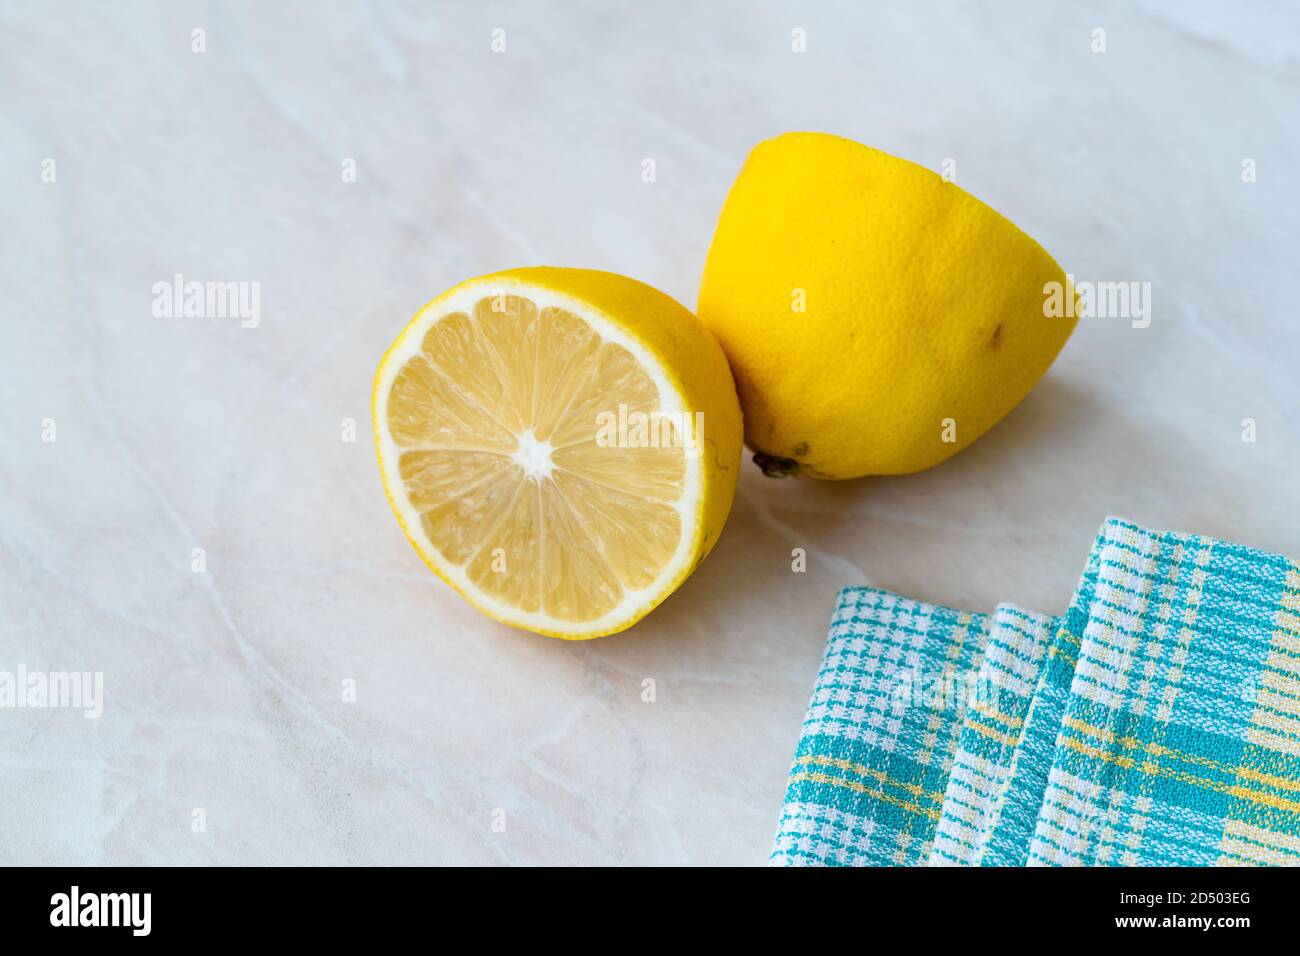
500 416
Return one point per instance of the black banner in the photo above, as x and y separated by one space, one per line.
335 906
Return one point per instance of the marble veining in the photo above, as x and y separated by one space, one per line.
191 507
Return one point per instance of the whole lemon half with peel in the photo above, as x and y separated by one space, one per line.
877 318
560 446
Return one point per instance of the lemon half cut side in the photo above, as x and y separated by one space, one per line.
559 445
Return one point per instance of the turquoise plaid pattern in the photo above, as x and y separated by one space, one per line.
1157 722
991 734
1180 744
1008 843
870 771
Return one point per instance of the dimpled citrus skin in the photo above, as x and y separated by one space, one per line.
922 304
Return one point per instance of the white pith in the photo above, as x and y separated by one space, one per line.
535 459
533 456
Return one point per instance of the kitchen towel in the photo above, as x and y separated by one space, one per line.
1156 722
868 779
991 734
1013 830
1180 742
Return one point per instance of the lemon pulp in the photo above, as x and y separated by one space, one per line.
495 424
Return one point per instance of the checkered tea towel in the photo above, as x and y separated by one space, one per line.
1008 841
990 735
1180 741
869 775
1163 725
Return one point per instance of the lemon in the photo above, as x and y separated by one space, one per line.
560 445
877 318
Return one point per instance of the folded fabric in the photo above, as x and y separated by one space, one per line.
869 775
981 770
1013 830
1156 722
1180 743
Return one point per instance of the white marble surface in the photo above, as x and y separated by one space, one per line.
222 689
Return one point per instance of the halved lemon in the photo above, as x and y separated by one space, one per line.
560 445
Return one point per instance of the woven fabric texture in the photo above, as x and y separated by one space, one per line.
1156 722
